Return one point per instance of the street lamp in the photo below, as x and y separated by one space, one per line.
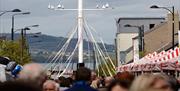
34 26
23 38
26 28
140 35
23 30
12 29
172 12
14 10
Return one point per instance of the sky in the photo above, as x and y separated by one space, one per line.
59 23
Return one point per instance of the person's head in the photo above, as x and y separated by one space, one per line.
108 80
161 81
142 83
119 85
73 76
95 83
124 76
34 72
19 85
83 74
50 85
65 82
93 75
61 79
174 83
70 80
150 81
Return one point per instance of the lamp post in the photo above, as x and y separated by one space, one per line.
172 12
29 27
23 38
140 36
12 29
14 10
22 41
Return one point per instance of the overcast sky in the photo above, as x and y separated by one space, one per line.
58 23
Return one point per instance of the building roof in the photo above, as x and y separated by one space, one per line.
140 21
137 18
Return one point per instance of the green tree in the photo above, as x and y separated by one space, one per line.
14 50
106 69
142 53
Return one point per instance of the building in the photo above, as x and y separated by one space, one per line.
160 37
124 35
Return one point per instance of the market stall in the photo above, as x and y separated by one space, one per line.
159 62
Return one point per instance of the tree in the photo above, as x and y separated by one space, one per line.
106 69
13 50
142 53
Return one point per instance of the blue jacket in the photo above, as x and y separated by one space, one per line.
81 86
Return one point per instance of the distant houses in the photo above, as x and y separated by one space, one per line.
157 36
124 35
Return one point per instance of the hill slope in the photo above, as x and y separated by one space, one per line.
42 46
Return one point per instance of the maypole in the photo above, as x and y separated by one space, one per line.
80 28
80 31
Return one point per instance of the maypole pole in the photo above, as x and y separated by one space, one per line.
80 33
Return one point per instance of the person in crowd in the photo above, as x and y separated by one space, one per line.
108 80
64 83
95 83
19 85
73 76
119 85
34 72
93 76
50 85
174 83
152 82
102 81
124 75
162 81
122 82
102 84
82 78
61 80
70 81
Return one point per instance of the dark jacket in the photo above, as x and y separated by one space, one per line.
81 86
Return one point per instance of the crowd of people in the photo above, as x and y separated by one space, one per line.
33 78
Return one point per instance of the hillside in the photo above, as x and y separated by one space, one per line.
42 46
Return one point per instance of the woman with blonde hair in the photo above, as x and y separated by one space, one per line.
151 82
141 83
